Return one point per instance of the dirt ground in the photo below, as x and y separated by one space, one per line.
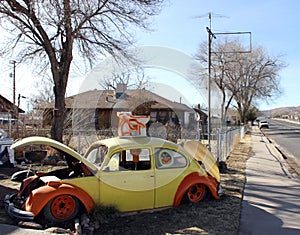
208 217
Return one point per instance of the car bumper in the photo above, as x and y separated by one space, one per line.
15 212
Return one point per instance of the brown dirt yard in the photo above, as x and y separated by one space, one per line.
207 217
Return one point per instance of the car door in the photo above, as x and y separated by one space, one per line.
170 170
128 184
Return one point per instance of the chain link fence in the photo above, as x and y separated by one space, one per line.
223 139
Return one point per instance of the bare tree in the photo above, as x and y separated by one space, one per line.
134 78
243 78
49 32
44 93
218 77
38 101
253 77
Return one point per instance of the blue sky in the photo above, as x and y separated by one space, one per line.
182 26
272 23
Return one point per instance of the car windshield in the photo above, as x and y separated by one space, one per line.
97 155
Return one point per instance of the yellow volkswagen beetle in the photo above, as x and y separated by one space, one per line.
129 173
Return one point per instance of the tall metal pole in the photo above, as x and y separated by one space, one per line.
210 36
208 87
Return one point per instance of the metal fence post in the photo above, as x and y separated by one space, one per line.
219 144
78 142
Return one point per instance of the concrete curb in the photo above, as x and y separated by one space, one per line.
288 160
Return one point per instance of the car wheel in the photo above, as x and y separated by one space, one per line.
62 208
195 193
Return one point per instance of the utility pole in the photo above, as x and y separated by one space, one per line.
210 37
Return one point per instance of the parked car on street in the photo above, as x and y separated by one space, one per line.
129 173
263 124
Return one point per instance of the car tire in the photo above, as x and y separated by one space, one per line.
195 193
62 208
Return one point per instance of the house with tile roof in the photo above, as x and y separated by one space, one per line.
97 109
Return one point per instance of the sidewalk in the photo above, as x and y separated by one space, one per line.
271 203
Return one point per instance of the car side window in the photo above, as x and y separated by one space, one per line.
130 159
137 159
97 155
168 158
114 162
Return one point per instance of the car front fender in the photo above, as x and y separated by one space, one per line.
201 153
192 179
39 198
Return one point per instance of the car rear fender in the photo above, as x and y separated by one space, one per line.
39 198
192 179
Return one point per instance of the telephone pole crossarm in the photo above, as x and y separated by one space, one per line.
211 34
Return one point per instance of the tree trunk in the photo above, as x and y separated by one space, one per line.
60 77
57 126
60 71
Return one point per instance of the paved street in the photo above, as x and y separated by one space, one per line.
271 202
285 134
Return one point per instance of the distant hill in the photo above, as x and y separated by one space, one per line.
281 112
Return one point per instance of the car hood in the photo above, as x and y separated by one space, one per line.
39 140
202 154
